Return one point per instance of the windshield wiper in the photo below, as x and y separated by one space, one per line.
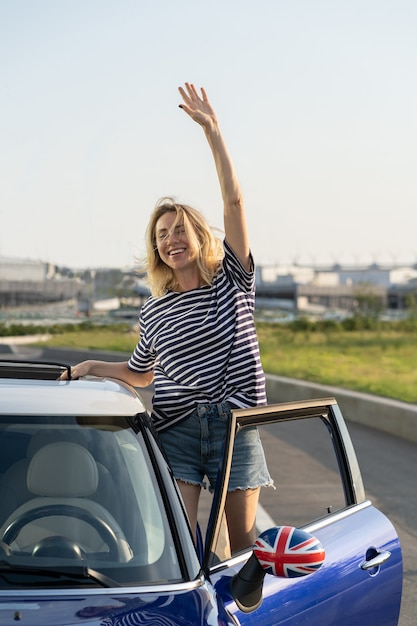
75 572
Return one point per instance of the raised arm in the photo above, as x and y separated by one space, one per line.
200 110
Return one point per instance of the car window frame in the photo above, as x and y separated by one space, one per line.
325 408
172 501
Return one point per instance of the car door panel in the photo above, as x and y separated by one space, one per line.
340 592
319 489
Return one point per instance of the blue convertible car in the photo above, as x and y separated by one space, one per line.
93 530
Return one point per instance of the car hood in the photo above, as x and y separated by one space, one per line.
183 608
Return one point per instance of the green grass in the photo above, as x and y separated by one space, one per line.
97 339
381 363
378 362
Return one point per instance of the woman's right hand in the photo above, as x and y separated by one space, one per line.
77 371
106 369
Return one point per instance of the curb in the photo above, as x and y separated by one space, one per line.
23 340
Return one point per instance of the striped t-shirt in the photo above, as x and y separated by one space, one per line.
202 345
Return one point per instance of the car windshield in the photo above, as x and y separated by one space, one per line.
80 493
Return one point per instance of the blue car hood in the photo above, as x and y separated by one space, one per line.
183 608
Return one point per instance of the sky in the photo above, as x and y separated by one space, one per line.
317 100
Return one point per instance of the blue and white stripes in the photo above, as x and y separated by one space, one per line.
202 346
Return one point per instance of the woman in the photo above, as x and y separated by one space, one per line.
198 341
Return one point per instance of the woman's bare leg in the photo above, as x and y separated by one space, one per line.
191 495
241 506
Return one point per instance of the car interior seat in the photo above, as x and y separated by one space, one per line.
63 477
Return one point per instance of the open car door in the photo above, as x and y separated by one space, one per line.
319 489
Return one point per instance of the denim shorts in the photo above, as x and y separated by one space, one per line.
194 446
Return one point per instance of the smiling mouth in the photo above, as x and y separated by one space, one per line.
176 251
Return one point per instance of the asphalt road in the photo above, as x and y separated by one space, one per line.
388 466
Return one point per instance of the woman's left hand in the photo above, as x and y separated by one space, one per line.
198 107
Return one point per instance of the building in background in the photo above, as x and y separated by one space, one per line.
292 288
26 282
335 288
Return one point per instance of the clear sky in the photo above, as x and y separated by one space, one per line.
317 100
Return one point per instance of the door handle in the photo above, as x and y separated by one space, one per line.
377 560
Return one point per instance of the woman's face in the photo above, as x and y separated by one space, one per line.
172 242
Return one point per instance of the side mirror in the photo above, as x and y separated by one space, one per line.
282 551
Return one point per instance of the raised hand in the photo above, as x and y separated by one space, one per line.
198 106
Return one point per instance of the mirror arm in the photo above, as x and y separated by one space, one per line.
246 585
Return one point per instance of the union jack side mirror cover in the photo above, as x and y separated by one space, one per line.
282 551
288 552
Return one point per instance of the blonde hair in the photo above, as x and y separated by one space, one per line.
208 249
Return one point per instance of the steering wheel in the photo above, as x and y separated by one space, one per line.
106 532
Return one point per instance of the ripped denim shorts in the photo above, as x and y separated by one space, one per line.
194 446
